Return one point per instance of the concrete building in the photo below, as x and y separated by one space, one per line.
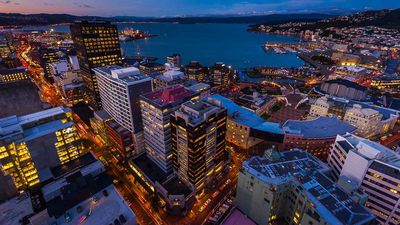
245 128
120 90
366 120
370 120
13 75
374 169
31 143
248 130
98 124
315 136
157 108
68 80
202 89
344 89
151 69
168 78
260 104
198 130
120 139
174 60
195 71
292 188
80 192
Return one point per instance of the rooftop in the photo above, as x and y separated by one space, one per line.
321 127
24 96
169 95
347 83
150 169
13 125
245 116
171 75
175 186
13 210
372 150
299 168
73 165
238 218
128 75
13 71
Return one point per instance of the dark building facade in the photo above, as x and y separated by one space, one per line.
220 74
195 71
198 132
96 45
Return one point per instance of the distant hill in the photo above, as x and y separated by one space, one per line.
9 19
379 18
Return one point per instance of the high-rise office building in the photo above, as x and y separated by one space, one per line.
292 188
96 45
37 141
220 74
195 71
372 168
120 90
198 131
157 108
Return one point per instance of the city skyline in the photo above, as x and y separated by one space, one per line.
162 8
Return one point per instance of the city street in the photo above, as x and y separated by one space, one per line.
137 199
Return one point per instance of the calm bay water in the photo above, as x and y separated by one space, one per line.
206 43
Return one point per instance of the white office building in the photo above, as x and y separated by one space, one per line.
374 169
120 90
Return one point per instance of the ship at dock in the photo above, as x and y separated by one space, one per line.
130 34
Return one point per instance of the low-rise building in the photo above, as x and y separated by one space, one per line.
292 188
80 192
374 169
369 119
344 89
202 89
168 78
120 139
151 69
13 75
260 104
316 135
31 143
195 71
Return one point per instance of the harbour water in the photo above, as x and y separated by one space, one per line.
206 43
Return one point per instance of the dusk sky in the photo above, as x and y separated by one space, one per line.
187 7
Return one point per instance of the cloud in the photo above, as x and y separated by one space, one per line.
83 5
6 2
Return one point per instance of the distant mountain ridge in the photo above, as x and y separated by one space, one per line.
380 18
11 19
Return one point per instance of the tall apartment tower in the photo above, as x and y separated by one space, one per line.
120 90
157 108
372 168
96 45
198 142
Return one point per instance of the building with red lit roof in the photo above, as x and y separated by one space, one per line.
156 110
